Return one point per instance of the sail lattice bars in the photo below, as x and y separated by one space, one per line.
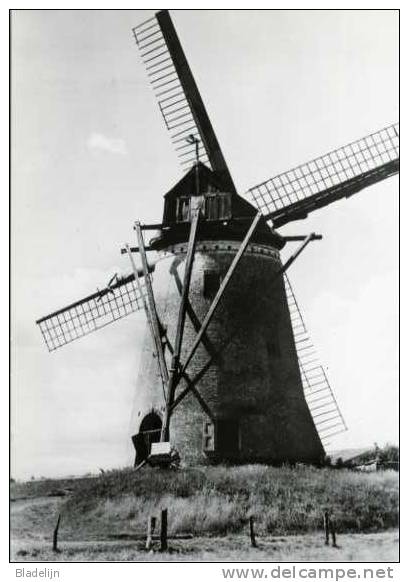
172 101
320 398
91 313
338 174
178 96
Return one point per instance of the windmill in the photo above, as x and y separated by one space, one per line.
228 370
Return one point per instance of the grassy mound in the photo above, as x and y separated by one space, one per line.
219 500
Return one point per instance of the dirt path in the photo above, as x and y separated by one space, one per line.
381 547
33 521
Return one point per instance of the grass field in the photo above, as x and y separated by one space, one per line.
212 502
379 547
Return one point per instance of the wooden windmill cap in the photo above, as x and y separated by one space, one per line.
226 215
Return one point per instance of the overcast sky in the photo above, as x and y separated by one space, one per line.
91 155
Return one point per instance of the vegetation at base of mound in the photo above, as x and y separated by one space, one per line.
45 487
219 500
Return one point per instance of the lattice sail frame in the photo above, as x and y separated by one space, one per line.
91 313
339 173
320 398
172 100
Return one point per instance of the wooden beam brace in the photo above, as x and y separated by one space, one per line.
157 348
294 238
222 289
151 305
203 403
191 387
221 221
195 321
124 251
191 384
173 376
300 249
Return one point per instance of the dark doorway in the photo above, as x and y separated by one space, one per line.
149 432
228 436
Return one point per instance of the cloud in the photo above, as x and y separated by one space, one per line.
97 141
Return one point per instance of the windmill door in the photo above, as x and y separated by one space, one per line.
149 433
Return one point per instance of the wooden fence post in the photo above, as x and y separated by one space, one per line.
333 534
164 530
55 535
151 529
252 534
326 527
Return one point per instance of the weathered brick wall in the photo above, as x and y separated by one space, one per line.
254 377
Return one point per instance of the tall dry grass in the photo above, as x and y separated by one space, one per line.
219 500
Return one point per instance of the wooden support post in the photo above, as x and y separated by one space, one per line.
221 290
128 250
151 530
174 369
164 530
55 535
332 531
326 527
151 306
252 534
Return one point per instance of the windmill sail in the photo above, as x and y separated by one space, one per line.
91 313
317 390
179 99
338 174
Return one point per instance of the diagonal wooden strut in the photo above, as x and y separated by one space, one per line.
191 386
221 290
192 382
128 250
173 378
151 306
195 321
297 252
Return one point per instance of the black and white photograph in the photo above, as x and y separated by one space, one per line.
204 291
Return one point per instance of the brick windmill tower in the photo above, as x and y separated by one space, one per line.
228 371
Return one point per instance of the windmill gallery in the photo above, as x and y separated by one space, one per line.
228 372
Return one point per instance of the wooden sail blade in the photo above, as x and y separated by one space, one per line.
91 313
338 174
320 397
179 99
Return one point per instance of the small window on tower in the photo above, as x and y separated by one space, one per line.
211 284
225 206
208 436
183 209
218 206
273 348
211 207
